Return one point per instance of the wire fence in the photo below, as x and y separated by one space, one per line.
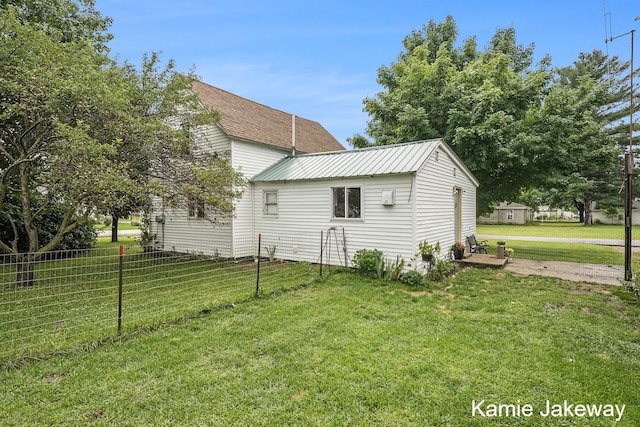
597 251
77 299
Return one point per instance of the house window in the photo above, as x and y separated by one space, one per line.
347 202
509 214
195 206
270 203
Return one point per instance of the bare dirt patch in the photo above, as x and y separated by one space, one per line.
571 271
415 293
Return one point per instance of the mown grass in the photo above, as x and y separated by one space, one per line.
355 351
74 303
122 226
558 229
570 252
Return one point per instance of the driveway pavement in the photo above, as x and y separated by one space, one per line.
605 242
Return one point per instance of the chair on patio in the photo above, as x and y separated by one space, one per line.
476 246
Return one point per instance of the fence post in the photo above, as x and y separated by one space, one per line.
258 273
344 247
120 268
321 250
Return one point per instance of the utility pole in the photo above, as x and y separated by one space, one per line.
629 166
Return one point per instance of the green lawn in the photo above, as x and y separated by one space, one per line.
558 229
74 303
570 252
359 352
123 224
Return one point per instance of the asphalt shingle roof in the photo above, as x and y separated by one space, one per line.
249 120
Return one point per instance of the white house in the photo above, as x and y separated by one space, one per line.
508 213
303 183
387 198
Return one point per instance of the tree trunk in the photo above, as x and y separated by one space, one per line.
25 270
580 207
588 219
114 227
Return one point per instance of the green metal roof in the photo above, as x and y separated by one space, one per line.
382 160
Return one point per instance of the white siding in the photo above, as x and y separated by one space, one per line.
250 159
180 233
305 209
435 204
211 236
212 138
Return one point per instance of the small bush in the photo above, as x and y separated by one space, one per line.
411 278
369 262
442 269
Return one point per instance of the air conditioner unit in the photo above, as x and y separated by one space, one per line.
388 197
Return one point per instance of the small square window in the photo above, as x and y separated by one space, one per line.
270 203
347 202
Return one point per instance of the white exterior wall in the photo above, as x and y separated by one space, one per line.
305 209
435 202
214 236
183 234
250 159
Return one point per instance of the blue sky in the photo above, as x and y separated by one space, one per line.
319 60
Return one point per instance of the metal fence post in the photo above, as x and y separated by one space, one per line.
120 289
258 273
321 250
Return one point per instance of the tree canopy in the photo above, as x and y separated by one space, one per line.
477 101
516 126
80 134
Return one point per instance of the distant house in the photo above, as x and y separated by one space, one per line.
547 213
302 182
508 213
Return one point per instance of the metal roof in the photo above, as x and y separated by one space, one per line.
382 160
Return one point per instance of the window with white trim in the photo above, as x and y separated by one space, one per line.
509 214
347 202
270 203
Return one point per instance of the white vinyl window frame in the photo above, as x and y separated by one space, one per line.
347 202
270 202
510 214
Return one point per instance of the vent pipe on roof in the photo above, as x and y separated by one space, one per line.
293 135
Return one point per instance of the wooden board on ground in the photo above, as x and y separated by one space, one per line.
483 260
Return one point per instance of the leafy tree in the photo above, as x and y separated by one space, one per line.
49 159
477 101
70 123
70 20
613 214
584 112
612 107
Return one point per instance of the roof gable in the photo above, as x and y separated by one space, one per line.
249 120
379 160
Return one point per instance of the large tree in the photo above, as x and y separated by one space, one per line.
70 20
477 101
586 112
70 121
